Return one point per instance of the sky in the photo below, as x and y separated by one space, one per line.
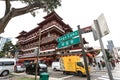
73 12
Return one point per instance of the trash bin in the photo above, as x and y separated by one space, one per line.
44 76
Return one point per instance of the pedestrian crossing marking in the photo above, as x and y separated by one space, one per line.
107 78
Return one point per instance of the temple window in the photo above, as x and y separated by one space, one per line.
48 34
62 52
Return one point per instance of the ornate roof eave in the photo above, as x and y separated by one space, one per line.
55 27
22 33
20 36
51 14
33 30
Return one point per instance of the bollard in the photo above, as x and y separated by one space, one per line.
44 76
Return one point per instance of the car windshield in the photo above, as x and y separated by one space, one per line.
80 64
42 65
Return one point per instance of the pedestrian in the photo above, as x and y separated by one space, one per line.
99 66
117 61
93 64
113 64
102 63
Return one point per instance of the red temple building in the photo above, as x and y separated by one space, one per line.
46 33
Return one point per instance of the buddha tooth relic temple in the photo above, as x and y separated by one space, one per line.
46 34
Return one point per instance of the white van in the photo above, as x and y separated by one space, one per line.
7 66
55 66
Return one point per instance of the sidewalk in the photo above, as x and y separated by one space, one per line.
96 69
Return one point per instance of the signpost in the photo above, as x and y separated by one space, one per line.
75 38
102 30
72 38
84 54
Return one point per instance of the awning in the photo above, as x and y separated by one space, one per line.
89 55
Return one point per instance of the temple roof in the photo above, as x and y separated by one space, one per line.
52 16
53 13
22 33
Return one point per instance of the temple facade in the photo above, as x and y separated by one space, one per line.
44 37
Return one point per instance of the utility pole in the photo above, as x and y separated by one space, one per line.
37 56
83 52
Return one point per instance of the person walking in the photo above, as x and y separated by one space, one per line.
93 64
99 66
113 63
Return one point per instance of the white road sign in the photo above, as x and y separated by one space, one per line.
103 25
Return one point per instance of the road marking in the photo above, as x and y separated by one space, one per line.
52 78
107 78
66 77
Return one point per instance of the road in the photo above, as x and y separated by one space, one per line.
57 75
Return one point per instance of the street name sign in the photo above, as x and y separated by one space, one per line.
69 42
75 33
68 36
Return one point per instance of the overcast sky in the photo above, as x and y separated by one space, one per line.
73 12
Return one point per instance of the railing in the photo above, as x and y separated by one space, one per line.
48 39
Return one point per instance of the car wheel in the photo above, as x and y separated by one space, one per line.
54 69
80 74
5 73
15 69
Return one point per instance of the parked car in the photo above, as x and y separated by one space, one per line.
31 68
7 66
19 67
55 66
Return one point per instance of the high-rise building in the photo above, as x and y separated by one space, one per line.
3 41
110 46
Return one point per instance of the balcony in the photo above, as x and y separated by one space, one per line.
48 39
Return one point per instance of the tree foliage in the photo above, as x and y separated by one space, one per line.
109 56
9 48
31 6
1 54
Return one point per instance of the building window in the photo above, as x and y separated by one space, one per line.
68 52
48 34
62 52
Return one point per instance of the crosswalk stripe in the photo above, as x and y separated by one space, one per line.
107 78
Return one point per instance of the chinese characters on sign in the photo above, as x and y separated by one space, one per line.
69 42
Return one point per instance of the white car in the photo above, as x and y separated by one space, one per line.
19 67
55 66
7 66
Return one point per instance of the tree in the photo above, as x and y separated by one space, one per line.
9 48
109 56
1 54
31 6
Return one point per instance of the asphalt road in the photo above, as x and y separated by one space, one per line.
57 75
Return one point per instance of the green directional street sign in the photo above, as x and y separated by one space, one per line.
69 42
68 36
